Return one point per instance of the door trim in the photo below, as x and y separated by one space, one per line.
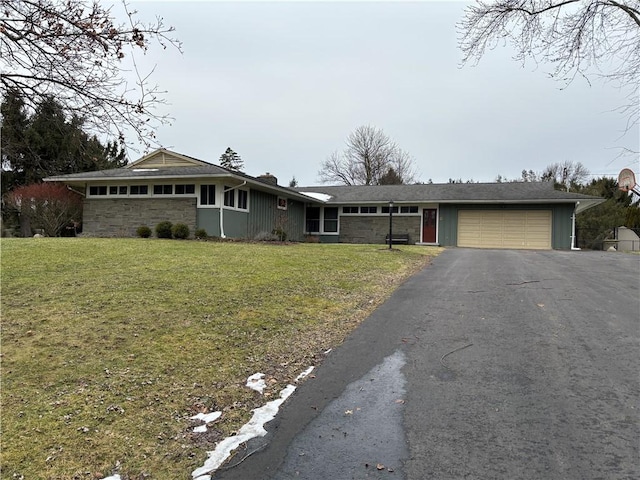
437 210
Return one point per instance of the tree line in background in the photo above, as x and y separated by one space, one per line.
47 142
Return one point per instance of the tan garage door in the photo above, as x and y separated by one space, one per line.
505 229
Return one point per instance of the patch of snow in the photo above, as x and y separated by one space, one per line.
256 382
253 428
327 352
112 477
323 197
304 374
207 417
144 170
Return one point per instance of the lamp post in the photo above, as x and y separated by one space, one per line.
390 223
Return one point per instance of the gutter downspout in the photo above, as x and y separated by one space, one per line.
573 228
222 235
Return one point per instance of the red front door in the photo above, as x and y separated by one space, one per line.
429 218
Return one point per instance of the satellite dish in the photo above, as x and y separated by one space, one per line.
626 180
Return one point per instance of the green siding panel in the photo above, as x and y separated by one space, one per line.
329 238
561 228
209 219
265 216
448 225
235 223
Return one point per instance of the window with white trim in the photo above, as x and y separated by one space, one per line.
185 189
229 196
207 194
139 190
368 209
313 220
163 189
330 220
409 209
243 199
349 209
118 190
96 190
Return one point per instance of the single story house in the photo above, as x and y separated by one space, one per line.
165 185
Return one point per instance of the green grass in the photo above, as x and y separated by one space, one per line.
110 345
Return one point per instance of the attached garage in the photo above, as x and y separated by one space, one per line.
518 229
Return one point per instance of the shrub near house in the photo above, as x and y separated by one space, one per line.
49 206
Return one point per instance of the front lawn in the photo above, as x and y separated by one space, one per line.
109 346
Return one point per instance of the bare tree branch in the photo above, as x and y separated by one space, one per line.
74 51
578 37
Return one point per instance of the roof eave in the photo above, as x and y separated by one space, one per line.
585 204
83 181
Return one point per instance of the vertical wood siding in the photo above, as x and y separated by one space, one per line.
264 216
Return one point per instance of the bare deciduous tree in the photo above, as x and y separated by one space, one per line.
368 157
578 37
75 52
567 172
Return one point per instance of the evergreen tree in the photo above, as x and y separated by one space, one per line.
598 223
13 142
48 143
390 178
231 160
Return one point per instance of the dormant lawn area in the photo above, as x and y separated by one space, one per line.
109 346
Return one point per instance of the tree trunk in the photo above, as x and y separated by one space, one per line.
25 226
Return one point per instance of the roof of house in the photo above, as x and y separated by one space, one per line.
512 192
166 165
163 164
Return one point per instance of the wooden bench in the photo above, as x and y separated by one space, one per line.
397 238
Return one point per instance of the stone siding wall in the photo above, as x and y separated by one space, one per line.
365 229
121 217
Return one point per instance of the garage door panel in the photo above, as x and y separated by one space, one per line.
529 229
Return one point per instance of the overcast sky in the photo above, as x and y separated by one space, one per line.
284 83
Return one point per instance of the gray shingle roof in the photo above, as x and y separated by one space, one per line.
174 173
122 173
520 192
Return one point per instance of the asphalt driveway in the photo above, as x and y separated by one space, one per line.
486 365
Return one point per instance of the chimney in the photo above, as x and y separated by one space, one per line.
268 178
